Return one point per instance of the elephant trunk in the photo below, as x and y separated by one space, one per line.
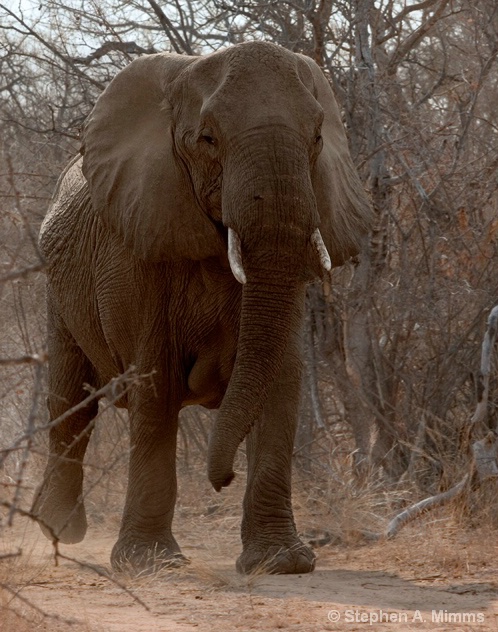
273 217
271 312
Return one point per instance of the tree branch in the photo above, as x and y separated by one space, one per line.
131 48
52 48
414 38
169 29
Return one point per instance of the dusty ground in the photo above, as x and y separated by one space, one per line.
430 578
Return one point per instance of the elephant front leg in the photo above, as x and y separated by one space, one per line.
269 535
146 542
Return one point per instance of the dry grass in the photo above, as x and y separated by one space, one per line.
438 548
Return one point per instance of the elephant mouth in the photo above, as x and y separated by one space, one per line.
235 253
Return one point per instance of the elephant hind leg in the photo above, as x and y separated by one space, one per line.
58 503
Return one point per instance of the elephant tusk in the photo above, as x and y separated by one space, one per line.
235 256
321 249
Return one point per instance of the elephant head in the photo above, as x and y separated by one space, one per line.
240 155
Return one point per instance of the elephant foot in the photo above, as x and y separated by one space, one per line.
277 559
146 558
60 519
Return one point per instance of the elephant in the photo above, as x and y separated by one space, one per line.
208 192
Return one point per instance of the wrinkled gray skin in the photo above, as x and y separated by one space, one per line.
177 150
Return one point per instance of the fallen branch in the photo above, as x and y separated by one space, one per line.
402 519
484 451
483 466
409 514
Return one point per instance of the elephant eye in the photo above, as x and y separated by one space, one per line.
318 138
208 139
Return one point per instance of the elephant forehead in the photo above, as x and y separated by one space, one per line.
250 98
256 106
259 69
246 56
256 71
260 56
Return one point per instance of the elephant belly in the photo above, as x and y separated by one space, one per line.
208 379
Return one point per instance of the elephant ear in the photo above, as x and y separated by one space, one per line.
344 208
138 185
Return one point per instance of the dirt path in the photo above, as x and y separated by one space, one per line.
381 587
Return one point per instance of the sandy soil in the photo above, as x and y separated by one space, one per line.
427 579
